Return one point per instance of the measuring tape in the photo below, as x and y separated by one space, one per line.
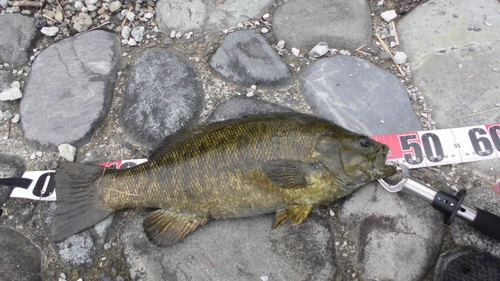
415 149
443 147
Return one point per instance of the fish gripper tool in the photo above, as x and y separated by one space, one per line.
451 205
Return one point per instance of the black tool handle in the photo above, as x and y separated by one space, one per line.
487 223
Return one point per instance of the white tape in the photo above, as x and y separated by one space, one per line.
443 147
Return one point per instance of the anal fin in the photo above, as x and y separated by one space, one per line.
165 228
295 213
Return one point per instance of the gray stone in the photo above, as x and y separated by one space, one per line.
341 24
358 95
246 58
73 72
184 16
455 81
17 33
238 249
163 94
11 166
242 106
138 33
394 236
82 22
20 259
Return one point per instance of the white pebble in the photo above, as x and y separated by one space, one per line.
132 42
264 278
15 84
264 30
16 118
172 34
319 50
11 94
130 16
78 6
149 15
399 58
115 6
67 151
389 15
178 35
38 154
50 31
281 44
295 52
250 94
265 16
126 32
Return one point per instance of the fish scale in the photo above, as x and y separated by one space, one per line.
285 163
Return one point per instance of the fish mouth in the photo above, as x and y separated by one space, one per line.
379 163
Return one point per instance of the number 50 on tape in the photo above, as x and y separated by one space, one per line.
442 147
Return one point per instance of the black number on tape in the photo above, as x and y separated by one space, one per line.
428 148
477 142
495 136
417 150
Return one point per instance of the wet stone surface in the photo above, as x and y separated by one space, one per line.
20 259
238 249
353 93
245 58
65 76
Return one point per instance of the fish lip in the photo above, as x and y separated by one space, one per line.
379 163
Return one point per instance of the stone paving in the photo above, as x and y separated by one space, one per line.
234 58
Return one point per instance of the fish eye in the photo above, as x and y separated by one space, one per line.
364 142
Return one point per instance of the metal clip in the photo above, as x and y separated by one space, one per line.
399 186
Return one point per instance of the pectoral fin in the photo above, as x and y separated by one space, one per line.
289 173
165 228
295 213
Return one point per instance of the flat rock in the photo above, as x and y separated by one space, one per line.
20 259
238 249
452 63
11 166
17 32
388 232
341 24
454 55
358 95
70 73
242 106
163 93
246 58
183 16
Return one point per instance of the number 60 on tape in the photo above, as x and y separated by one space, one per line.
442 147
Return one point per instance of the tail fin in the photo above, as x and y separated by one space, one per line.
79 205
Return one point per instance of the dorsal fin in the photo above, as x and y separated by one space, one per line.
192 130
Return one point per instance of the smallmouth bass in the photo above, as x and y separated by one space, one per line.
286 163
